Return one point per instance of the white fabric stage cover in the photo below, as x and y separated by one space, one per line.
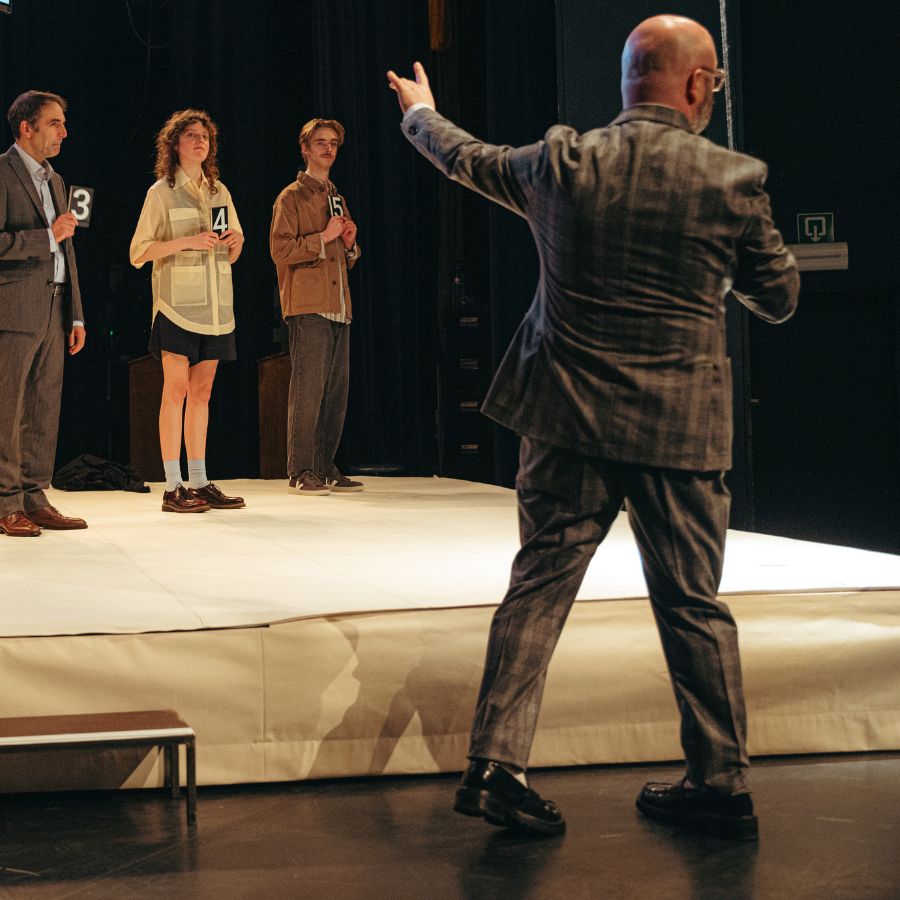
344 635
403 544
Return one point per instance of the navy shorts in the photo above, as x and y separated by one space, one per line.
168 336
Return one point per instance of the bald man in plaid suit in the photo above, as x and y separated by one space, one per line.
618 382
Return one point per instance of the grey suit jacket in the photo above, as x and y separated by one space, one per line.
26 263
642 229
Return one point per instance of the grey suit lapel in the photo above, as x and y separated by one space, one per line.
60 201
56 191
21 171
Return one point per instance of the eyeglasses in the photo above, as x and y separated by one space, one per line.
719 76
196 136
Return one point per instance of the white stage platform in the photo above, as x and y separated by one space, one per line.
343 635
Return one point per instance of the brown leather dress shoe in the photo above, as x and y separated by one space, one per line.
183 500
50 517
216 499
17 524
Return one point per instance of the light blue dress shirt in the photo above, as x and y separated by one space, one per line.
41 174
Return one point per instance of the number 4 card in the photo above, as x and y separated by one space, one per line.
219 216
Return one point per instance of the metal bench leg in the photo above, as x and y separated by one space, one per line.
167 766
191 765
175 769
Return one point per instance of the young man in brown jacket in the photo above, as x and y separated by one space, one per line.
313 245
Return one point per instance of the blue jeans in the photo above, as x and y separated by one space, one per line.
317 397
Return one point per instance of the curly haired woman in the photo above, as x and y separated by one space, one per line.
193 311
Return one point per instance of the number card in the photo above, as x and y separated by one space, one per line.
219 219
81 201
336 205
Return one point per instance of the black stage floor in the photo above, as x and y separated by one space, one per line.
830 828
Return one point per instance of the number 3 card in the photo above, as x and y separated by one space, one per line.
81 201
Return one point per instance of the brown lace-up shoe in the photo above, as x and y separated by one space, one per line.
50 517
183 500
17 524
216 499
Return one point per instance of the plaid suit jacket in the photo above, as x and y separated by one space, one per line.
643 229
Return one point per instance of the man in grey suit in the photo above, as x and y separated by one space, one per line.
618 383
40 313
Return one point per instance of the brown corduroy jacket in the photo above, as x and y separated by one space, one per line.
307 281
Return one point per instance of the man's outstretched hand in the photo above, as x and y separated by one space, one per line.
409 92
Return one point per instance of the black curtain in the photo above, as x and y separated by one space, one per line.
826 384
521 104
261 70
591 35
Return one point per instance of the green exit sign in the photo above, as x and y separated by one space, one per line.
815 228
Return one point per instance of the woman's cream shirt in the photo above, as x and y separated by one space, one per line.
192 288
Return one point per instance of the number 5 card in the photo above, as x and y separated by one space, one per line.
336 204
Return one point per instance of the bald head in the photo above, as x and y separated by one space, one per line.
663 63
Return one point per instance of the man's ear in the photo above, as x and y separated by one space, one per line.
691 92
304 149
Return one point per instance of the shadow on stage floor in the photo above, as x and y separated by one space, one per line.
315 638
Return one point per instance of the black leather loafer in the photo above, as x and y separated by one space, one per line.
490 791
721 815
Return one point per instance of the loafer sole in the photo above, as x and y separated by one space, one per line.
742 828
196 509
475 802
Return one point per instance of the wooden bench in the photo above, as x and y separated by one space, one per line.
162 728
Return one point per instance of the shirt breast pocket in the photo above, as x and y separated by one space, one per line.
184 221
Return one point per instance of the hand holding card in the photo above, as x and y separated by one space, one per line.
81 202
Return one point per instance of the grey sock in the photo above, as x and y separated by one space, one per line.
197 473
172 468
516 772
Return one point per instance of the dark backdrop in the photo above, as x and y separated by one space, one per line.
821 94
590 36
814 95
261 70
817 400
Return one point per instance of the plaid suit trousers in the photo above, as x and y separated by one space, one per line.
567 504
